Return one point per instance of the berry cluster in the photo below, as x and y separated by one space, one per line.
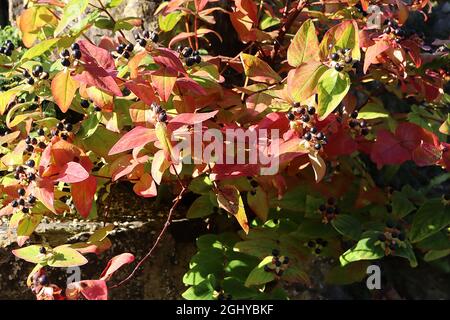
40 279
279 263
359 126
190 56
391 27
304 116
317 245
67 58
220 294
37 74
145 36
124 50
23 203
329 210
391 237
159 113
62 130
26 173
7 48
341 59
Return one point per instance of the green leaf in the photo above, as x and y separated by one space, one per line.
305 45
302 82
39 49
168 22
64 257
31 253
258 276
401 206
72 10
28 224
406 251
201 207
113 3
259 203
365 249
347 226
372 111
89 125
431 217
201 185
332 88
349 38
351 273
237 289
267 22
258 70
203 291
436 254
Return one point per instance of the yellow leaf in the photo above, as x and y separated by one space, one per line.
63 89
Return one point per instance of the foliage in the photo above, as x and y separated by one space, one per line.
80 114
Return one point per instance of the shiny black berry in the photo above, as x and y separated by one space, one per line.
43 280
290 116
317 146
334 57
197 58
364 131
307 136
187 52
286 260
154 37
320 136
330 210
278 263
142 42
84 103
31 176
38 70
31 199
14 203
60 126
338 67
29 148
129 47
68 127
21 202
30 81
30 163
126 55
311 244
25 210
76 54
162 117
354 114
317 251
21 192
28 140
254 183
42 145
65 62
311 110
64 54
306 118
41 132
75 46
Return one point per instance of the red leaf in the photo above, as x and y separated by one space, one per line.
94 289
99 69
137 137
426 154
192 118
340 144
372 52
145 187
45 193
72 172
185 84
169 58
83 195
64 152
142 90
115 264
388 150
163 81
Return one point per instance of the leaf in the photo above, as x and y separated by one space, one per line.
135 138
305 45
373 52
8 96
169 21
99 68
372 111
72 172
91 289
343 35
258 275
302 82
332 88
319 166
193 118
365 249
72 10
34 18
83 195
163 80
436 254
259 203
163 136
31 253
258 70
230 200
347 226
354 272
168 58
431 217
63 89
202 291
146 186
115 264
27 225
401 206
407 252
39 49
64 257
201 207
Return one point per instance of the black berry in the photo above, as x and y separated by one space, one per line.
75 46
21 192
60 126
14 203
320 136
334 57
317 146
307 136
154 37
275 252
290 116
129 47
68 127
187 52
77 54
41 132
65 62
311 243
30 163
162 117
30 81
190 61
311 110
142 42
339 67
31 199
84 103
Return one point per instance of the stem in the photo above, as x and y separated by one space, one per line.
103 8
152 249
195 32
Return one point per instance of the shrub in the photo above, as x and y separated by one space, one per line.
341 101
